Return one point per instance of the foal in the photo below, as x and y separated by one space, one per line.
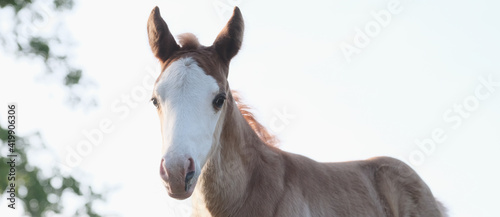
221 154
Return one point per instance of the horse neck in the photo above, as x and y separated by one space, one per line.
226 175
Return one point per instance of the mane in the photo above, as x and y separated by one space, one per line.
188 41
260 130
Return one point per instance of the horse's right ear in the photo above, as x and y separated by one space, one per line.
161 40
228 42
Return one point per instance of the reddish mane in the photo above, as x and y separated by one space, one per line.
260 130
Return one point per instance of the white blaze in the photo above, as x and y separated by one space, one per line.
188 119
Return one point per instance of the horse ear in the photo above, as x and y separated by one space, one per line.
228 42
161 40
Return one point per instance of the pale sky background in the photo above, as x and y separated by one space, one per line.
427 60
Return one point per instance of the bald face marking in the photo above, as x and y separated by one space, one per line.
185 97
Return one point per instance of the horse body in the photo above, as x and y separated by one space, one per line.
272 182
214 149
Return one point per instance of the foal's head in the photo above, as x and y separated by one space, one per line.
190 96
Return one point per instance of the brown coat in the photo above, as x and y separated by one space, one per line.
245 175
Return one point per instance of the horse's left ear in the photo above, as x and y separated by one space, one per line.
228 42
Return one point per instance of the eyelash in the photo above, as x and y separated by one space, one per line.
218 101
155 102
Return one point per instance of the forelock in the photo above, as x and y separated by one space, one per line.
188 41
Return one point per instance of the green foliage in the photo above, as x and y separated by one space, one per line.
73 77
63 4
29 34
43 194
16 4
39 47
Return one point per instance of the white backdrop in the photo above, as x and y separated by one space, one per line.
335 80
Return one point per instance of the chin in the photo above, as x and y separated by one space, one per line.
182 194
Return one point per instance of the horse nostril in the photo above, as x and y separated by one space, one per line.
189 177
162 168
191 165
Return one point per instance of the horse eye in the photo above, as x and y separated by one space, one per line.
155 102
219 100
